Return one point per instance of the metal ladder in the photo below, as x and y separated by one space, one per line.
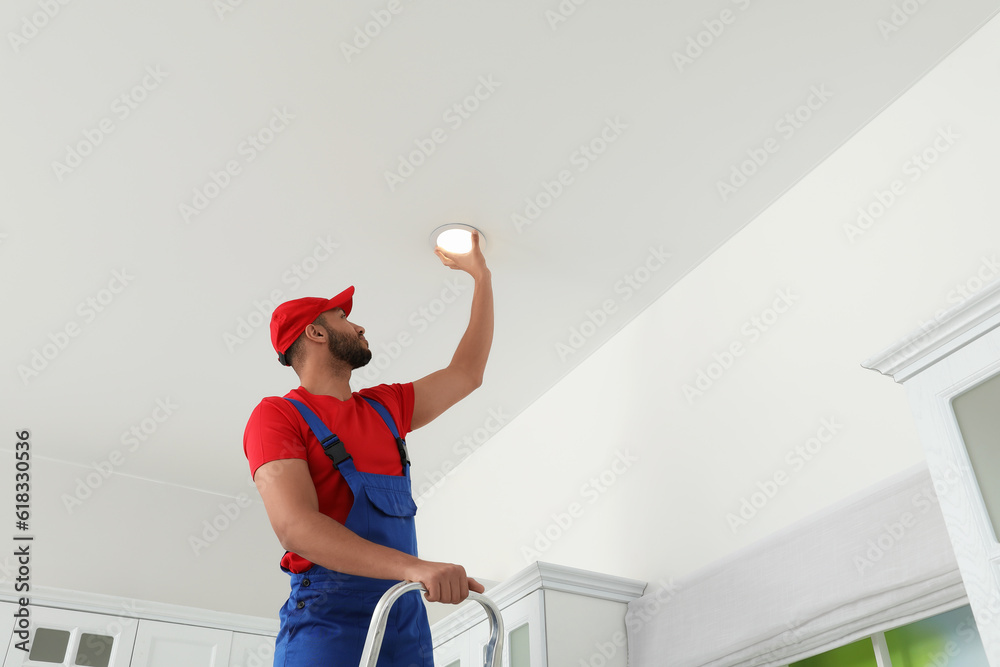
376 631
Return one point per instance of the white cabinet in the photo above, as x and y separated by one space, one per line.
159 644
553 615
950 371
524 636
7 622
455 652
251 650
66 637
524 626
87 630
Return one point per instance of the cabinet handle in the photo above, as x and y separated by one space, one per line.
376 630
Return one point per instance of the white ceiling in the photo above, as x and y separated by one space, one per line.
166 335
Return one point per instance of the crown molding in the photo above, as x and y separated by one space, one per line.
951 330
122 607
535 577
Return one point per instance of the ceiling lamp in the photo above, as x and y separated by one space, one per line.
456 237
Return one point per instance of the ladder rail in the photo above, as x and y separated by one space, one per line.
376 630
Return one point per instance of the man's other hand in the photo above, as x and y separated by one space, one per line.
445 582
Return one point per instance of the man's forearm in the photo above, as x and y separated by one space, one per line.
474 348
326 542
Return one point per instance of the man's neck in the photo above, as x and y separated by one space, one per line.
327 382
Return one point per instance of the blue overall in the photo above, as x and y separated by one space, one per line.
325 621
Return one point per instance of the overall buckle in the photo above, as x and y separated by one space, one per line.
335 449
403 454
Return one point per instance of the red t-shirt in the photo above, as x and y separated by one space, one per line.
276 430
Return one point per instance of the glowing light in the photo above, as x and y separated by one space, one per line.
456 238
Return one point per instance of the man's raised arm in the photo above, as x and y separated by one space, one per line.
437 392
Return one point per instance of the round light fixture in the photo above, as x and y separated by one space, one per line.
456 237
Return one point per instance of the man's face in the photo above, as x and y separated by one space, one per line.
345 340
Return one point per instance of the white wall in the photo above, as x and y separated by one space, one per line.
184 546
666 515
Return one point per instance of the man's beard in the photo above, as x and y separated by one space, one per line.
348 349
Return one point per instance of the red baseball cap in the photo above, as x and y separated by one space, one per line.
291 318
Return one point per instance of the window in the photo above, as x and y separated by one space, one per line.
519 647
978 420
946 639
94 650
48 645
859 654
950 639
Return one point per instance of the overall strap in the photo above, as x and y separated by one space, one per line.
332 445
387 418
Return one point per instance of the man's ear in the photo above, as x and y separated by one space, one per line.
315 333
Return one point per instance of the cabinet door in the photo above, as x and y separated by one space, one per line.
159 644
251 650
70 638
524 630
479 637
955 404
454 652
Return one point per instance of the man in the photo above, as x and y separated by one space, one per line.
331 468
